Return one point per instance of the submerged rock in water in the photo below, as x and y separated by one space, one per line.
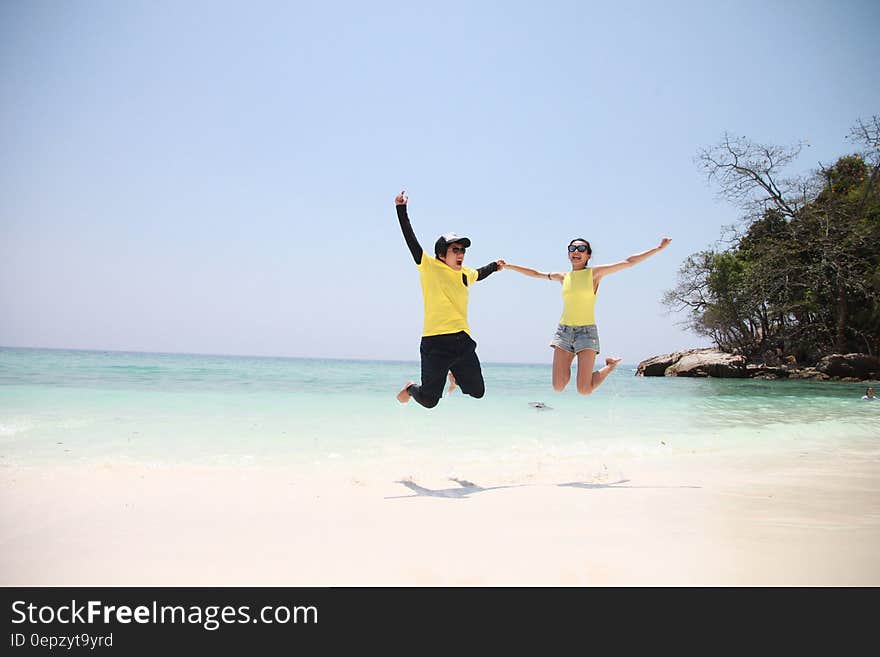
541 406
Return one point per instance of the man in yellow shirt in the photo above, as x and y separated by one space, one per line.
447 346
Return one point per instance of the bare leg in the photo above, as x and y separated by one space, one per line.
600 376
452 384
587 379
403 396
562 361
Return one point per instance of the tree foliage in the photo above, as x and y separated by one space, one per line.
802 274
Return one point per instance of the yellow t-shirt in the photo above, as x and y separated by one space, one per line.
445 295
578 298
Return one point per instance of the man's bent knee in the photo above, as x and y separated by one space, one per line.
427 402
474 389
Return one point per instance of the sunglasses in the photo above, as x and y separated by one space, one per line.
577 247
458 250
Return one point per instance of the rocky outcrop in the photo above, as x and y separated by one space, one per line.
809 373
757 371
857 366
714 363
694 362
657 365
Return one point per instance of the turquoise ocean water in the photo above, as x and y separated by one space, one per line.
61 406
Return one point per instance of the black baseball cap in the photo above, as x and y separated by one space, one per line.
446 239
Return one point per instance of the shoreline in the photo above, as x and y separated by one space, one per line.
796 519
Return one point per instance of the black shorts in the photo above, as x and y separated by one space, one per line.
441 354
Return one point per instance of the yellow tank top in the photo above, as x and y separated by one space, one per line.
445 296
578 298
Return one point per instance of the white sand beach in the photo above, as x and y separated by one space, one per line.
669 520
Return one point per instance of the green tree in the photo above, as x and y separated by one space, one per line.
803 271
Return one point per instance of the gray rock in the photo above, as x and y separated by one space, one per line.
808 373
764 372
713 363
694 362
658 365
857 366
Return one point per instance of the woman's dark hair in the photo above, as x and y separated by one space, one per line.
581 239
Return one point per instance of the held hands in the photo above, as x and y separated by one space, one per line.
401 198
501 265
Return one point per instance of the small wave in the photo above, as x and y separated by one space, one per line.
13 429
137 368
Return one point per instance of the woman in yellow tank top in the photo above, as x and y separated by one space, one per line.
577 334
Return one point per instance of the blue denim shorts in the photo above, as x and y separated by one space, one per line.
576 338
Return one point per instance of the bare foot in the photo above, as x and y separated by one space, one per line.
612 362
452 384
403 396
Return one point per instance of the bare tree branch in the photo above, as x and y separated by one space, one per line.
749 174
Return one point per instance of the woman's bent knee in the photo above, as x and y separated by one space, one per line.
560 382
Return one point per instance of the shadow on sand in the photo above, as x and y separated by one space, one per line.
465 488
613 484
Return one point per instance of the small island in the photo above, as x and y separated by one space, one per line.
794 289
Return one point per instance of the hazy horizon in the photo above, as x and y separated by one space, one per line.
257 356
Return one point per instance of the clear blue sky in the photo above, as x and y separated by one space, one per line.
219 177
